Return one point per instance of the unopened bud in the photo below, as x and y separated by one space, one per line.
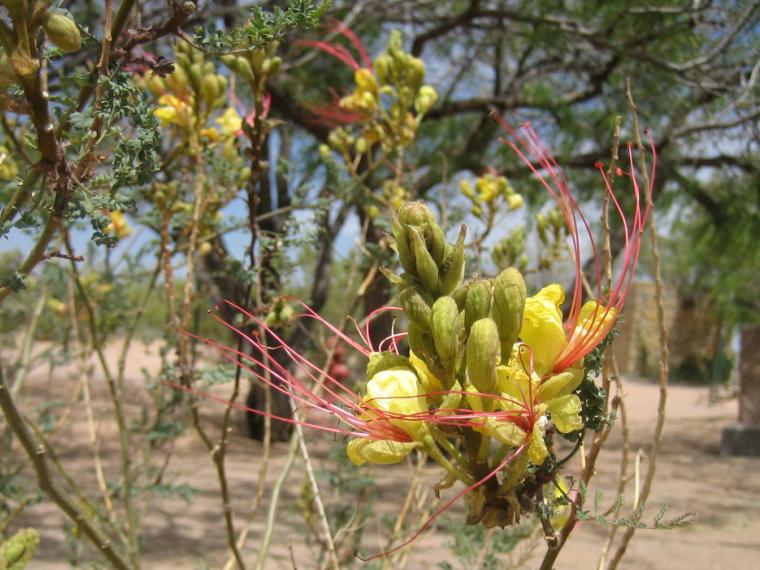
380 361
62 31
416 307
477 303
483 355
443 325
452 268
508 306
515 202
421 344
382 68
425 266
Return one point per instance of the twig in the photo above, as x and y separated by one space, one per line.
48 485
662 333
275 497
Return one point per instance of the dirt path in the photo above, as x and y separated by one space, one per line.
692 477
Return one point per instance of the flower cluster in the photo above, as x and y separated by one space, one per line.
484 375
388 101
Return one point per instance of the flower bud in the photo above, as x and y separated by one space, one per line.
421 343
477 303
452 268
443 325
196 76
182 59
177 80
415 214
17 551
243 68
210 89
380 361
416 307
426 269
425 99
515 202
483 355
62 31
508 307
382 68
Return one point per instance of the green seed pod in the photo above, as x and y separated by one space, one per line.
416 307
452 268
62 31
426 269
478 303
443 325
508 306
208 68
483 355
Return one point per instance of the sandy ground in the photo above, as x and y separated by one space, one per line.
691 477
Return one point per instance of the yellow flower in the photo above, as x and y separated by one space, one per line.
229 122
381 452
8 168
551 396
118 226
542 329
174 112
398 392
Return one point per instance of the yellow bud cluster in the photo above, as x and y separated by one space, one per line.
255 65
389 100
484 195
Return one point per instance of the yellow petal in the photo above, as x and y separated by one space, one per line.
428 380
542 327
230 122
565 412
398 391
537 452
559 385
595 320
504 432
380 452
515 386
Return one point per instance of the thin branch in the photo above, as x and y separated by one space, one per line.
48 485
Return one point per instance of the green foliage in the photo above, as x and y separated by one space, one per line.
470 540
265 27
635 520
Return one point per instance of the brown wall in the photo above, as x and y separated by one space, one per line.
689 323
